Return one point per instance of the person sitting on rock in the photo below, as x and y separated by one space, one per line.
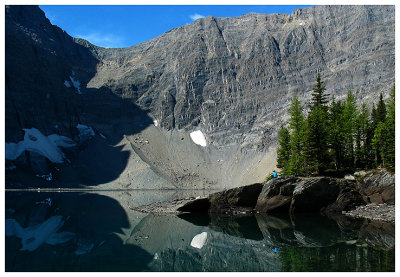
274 174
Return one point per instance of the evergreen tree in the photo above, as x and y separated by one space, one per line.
297 138
317 140
291 141
317 156
373 117
349 116
378 142
379 137
284 148
319 98
339 136
381 110
362 138
336 133
389 145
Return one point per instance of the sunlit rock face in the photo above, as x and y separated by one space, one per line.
234 77
228 81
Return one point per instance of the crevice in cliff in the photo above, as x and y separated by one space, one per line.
220 32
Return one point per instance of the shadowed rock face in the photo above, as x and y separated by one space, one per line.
312 194
241 199
276 195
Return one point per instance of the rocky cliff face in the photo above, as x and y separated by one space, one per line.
231 78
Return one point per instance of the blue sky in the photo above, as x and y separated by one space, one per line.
123 26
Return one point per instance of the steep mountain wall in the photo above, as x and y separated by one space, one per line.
230 78
233 77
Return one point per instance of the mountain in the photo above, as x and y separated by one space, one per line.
232 79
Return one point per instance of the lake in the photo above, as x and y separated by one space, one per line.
99 231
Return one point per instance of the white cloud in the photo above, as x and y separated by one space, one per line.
103 40
196 16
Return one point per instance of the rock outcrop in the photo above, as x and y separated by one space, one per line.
348 199
276 195
241 199
290 196
378 187
311 194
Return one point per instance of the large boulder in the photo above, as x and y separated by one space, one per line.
197 205
348 199
312 194
378 187
276 195
236 200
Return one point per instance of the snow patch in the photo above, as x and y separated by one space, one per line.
198 138
76 84
155 123
85 132
67 84
34 236
35 141
199 240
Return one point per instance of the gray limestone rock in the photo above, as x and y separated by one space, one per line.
234 77
231 78
276 195
311 194
237 200
378 187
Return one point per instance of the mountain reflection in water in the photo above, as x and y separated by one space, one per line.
105 234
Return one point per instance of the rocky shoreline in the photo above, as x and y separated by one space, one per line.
374 212
368 197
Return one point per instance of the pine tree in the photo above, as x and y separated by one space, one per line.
297 138
336 133
349 116
378 142
381 110
362 138
379 137
317 156
284 148
318 96
389 146
291 141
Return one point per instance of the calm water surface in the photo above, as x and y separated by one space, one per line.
72 231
